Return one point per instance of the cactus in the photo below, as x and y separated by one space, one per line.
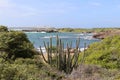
64 61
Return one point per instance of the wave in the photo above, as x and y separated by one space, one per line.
59 37
43 49
82 49
31 32
49 37
81 34
43 32
87 37
71 37
66 37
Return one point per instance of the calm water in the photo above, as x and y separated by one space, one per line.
37 38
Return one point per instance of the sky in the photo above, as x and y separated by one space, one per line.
60 13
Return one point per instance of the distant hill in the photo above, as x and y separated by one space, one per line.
34 29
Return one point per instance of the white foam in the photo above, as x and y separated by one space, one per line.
82 49
43 49
49 36
42 32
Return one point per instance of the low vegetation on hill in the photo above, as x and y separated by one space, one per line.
19 60
73 30
105 53
83 30
102 60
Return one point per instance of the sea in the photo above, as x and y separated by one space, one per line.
38 38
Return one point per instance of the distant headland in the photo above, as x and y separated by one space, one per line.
34 29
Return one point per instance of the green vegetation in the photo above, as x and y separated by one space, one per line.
82 30
19 60
105 53
28 69
73 30
15 44
3 28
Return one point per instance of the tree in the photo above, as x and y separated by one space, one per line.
3 28
16 44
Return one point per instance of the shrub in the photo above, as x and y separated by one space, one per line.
27 69
3 28
105 53
16 44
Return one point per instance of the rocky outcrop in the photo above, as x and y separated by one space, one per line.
102 35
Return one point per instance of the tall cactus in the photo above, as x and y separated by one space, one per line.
64 61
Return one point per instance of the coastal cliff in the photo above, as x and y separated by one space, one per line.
104 34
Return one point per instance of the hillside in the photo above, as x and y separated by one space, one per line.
104 34
101 61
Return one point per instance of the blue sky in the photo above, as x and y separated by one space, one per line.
60 13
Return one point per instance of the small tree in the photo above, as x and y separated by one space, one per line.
3 28
16 44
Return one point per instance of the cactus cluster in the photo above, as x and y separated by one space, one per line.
63 60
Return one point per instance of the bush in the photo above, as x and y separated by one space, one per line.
105 53
16 44
28 69
3 28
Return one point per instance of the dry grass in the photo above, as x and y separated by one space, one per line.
91 72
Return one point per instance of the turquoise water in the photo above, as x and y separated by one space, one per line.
37 38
